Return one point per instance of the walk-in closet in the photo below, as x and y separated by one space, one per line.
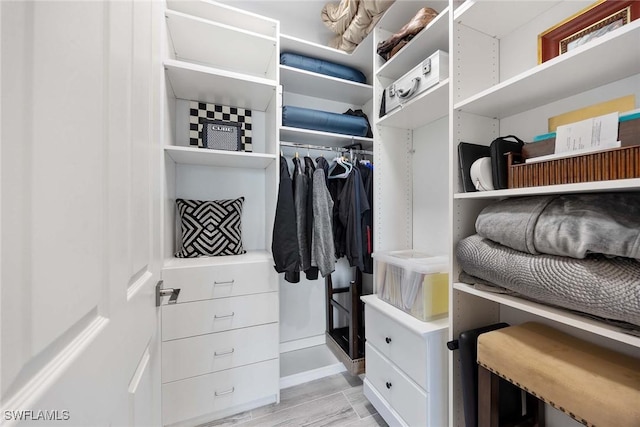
348 212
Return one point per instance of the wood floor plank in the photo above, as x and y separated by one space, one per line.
293 396
370 421
333 410
359 402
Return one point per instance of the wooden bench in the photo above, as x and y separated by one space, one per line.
593 385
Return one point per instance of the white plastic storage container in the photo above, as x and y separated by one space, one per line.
415 282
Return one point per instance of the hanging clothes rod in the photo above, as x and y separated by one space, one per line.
323 148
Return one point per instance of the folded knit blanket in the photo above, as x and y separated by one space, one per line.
597 285
571 225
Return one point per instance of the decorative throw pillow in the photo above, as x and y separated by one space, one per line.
210 228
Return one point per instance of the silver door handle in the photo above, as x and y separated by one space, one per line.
224 316
222 393
223 353
172 293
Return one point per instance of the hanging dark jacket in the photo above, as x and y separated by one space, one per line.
309 168
353 204
367 219
284 245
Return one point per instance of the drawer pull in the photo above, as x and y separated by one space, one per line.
223 353
226 282
224 316
388 384
388 340
222 393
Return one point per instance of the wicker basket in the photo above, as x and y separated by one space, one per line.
618 163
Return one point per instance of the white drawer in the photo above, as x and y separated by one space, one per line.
204 394
188 357
217 315
404 348
219 281
407 399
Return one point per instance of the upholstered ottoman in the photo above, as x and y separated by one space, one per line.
593 385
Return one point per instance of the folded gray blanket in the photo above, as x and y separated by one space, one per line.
571 225
597 285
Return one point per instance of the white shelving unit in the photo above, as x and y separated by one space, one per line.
241 291
499 89
327 139
411 206
219 158
326 87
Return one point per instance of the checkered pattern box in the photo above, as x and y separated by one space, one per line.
199 112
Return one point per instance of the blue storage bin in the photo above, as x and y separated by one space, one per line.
307 118
322 67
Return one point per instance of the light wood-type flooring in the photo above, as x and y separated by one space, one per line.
336 400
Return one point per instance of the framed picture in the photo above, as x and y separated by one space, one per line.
596 20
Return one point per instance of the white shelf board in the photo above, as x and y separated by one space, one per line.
249 257
199 40
421 110
412 323
227 15
359 59
314 137
583 187
295 80
399 14
555 314
205 84
499 18
607 59
433 37
221 158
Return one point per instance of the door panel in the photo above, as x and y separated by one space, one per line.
79 197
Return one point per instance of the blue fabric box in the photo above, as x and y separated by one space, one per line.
307 118
322 67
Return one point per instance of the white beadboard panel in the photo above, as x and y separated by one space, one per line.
302 309
207 183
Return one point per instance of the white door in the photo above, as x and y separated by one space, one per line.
80 199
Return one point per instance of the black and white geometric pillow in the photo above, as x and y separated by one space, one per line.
210 228
201 110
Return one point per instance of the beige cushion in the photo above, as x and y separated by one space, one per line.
594 385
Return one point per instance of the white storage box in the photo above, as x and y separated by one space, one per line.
423 76
415 282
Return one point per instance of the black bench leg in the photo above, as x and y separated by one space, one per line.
535 411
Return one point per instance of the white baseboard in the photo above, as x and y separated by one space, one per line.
311 375
302 343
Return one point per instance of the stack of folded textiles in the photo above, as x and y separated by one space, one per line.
579 252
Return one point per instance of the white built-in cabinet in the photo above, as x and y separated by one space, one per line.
220 352
405 357
498 88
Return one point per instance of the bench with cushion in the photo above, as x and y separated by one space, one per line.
594 385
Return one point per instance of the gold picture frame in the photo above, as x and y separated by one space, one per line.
596 20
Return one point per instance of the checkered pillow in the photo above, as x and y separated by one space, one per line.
201 110
210 228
